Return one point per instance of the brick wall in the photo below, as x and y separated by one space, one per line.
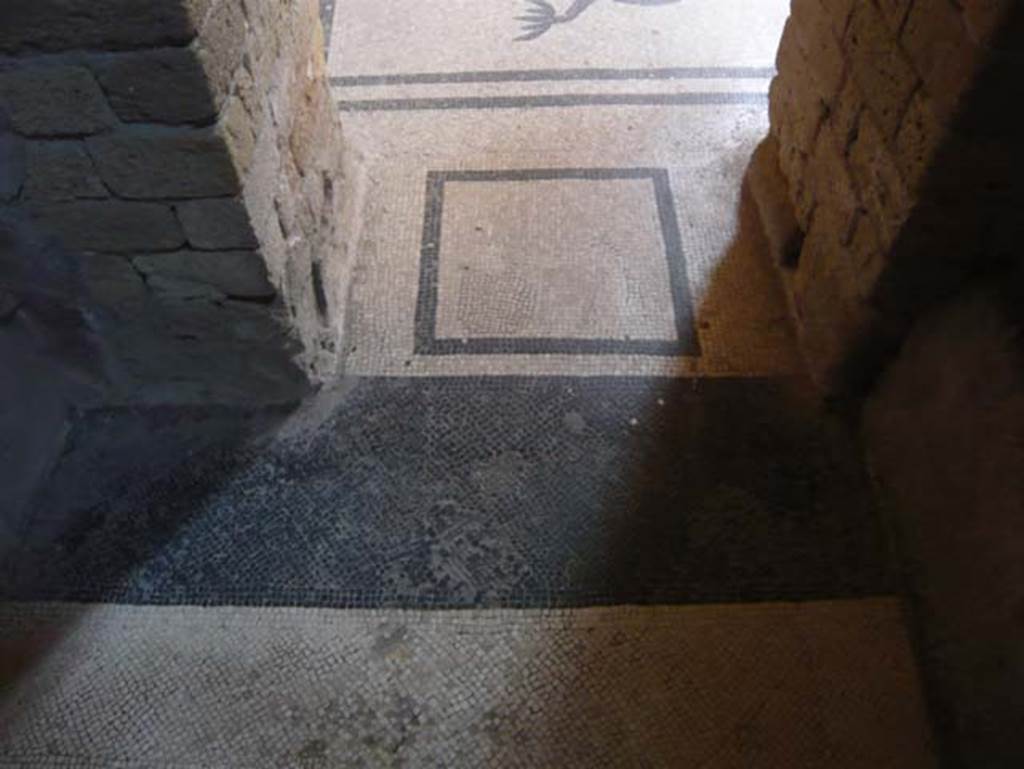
185 155
891 191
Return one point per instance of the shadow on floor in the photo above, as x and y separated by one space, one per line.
428 493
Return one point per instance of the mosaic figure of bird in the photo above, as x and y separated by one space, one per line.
541 15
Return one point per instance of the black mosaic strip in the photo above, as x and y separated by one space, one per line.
501 492
555 75
553 100
426 342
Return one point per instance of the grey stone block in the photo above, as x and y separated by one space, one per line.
12 161
112 226
54 101
222 44
9 304
237 128
113 284
61 170
56 25
149 164
32 268
166 85
770 192
238 274
182 290
255 328
216 224
33 422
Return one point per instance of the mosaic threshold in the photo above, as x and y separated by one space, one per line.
466 492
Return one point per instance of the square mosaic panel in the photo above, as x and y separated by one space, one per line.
567 260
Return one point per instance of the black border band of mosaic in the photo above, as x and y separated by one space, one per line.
426 340
467 492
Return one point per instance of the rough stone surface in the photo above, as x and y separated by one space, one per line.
175 164
207 352
282 131
9 304
237 129
918 139
55 25
166 85
884 114
113 144
770 193
983 18
54 101
33 422
879 66
12 160
50 359
880 186
238 274
225 38
945 431
133 134
110 225
944 55
61 171
220 223
180 289
112 284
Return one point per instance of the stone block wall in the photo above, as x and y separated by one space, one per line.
282 131
183 159
895 165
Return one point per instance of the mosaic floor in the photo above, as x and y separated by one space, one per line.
573 502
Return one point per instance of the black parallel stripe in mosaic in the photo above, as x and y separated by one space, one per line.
544 174
553 100
465 492
685 346
679 281
540 75
425 319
